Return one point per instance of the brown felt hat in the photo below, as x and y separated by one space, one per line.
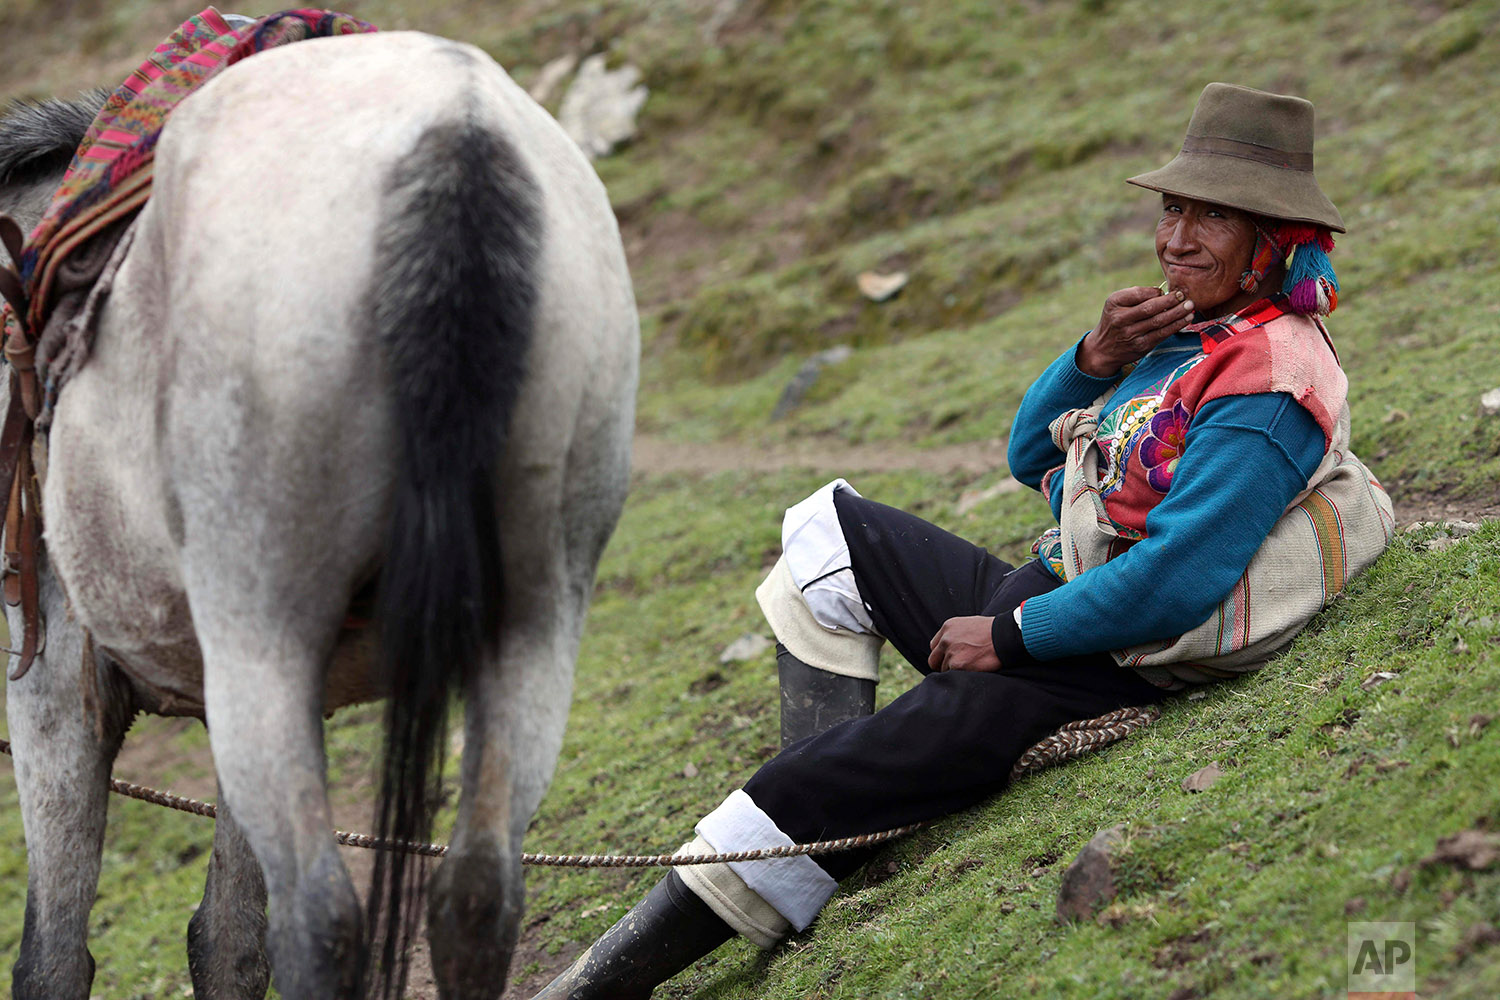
1249 150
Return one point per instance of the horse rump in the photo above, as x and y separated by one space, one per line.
456 293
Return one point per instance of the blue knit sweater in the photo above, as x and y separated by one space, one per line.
1245 458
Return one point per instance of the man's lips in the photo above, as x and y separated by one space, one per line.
1186 267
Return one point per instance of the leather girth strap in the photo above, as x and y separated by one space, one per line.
23 512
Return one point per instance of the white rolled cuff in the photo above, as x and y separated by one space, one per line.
797 888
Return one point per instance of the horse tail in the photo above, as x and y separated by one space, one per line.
456 293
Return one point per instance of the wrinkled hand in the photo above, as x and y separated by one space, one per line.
964 644
1134 320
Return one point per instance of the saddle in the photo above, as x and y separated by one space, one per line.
62 273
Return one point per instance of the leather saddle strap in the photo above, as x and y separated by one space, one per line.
12 237
20 349
12 433
12 588
30 543
10 279
23 510
12 292
21 527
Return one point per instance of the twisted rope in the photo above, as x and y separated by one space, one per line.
1073 740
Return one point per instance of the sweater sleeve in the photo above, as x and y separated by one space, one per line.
1245 458
1062 387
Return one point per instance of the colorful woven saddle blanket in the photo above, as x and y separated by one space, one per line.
109 179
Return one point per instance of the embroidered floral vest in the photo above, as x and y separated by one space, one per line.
1118 468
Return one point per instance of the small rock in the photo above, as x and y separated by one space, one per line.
691 771
796 390
1394 416
1353 906
746 647
1440 544
1460 529
599 109
1489 403
1475 850
1202 779
1480 935
1197 695
1089 882
1401 881
1376 679
551 76
878 287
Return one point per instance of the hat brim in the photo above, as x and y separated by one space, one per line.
1292 195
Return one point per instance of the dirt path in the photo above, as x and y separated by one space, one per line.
656 456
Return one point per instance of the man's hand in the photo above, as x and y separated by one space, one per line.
1134 320
964 644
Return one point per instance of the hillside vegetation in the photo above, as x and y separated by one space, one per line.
981 147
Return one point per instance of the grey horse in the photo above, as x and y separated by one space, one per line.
365 339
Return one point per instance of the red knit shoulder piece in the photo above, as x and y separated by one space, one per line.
1287 353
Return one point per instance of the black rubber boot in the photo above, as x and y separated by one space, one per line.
662 935
813 700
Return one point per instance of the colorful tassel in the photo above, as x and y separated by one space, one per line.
1264 255
1311 285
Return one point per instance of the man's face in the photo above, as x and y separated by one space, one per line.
1203 249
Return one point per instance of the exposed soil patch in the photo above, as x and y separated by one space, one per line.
1440 506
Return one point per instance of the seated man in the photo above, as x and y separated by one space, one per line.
1194 448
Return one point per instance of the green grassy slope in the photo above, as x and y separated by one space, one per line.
981 147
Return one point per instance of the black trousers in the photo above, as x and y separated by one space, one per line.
950 741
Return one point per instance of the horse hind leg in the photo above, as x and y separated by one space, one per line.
62 765
262 688
227 936
515 713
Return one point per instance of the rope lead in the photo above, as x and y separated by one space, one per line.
1072 740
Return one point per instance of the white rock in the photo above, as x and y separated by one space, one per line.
746 647
1489 403
833 356
599 109
552 76
878 287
